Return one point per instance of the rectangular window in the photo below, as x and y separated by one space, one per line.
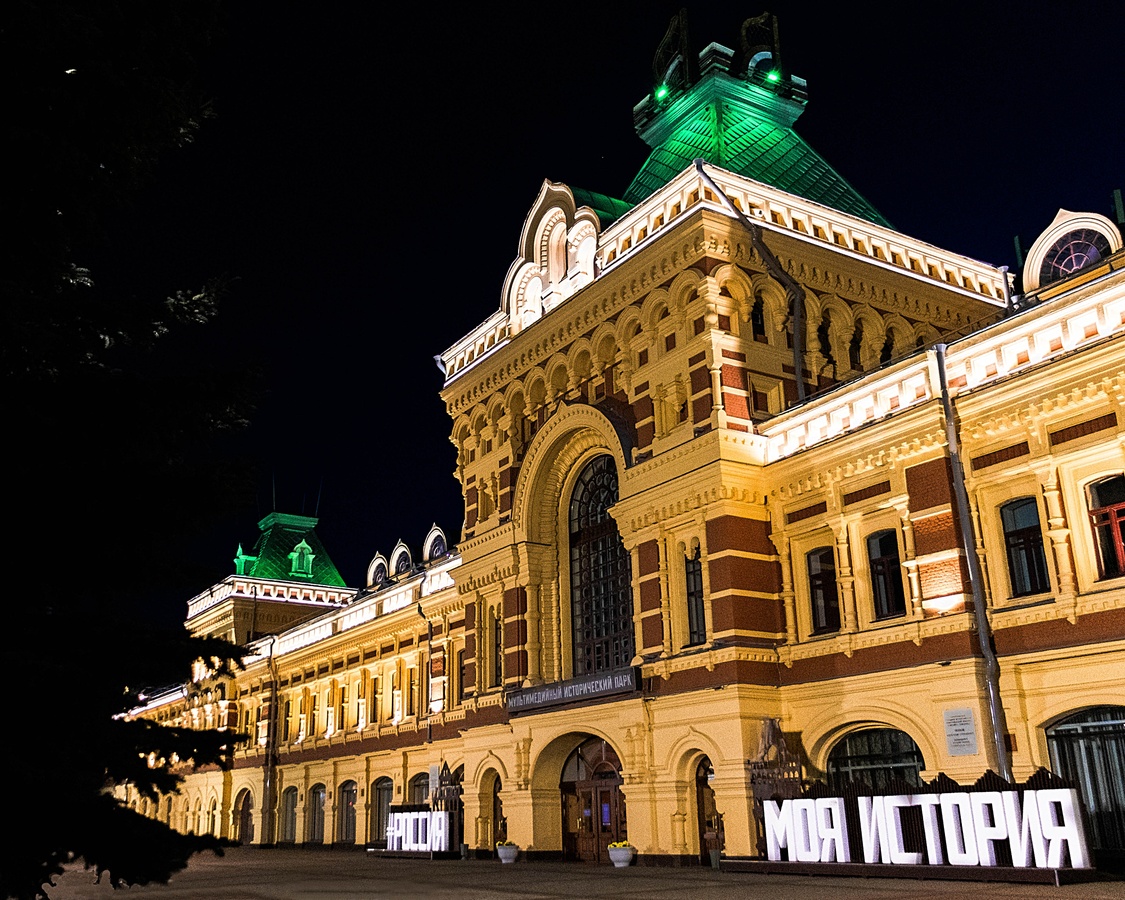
824 600
411 691
497 650
886 575
1107 519
697 625
342 712
1023 545
461 685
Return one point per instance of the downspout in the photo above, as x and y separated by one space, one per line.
269 787
998 723
793 291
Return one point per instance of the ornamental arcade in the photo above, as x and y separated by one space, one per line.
748 476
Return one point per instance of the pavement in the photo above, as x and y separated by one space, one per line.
249 873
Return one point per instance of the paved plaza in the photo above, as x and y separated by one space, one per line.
247 873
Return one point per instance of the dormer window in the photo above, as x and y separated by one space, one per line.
301 560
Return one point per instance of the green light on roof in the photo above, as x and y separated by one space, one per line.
662 92
773 75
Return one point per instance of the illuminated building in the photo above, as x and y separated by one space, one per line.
905 551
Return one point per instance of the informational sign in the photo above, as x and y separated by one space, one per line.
1040 828
960 732
587 687
419 828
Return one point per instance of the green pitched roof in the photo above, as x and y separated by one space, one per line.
608 209
743 122
288 550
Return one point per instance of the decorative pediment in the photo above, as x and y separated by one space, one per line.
556 256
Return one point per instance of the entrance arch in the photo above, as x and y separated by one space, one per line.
593 806
1088 749
244 817
708 818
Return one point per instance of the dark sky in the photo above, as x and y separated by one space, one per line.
368 172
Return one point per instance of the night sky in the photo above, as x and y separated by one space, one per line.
367 175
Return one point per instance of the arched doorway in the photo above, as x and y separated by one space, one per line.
244 817
288 816
382 794
345 826
709 819
593 807
878 757
1088 749
499 823
314 834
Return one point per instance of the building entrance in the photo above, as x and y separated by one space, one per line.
593 807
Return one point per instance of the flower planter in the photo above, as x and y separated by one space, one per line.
507 852
621 856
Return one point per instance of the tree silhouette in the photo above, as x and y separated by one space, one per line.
119 439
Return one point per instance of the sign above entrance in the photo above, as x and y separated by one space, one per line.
588 687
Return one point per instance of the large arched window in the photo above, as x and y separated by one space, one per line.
600 579
1088 749
877 757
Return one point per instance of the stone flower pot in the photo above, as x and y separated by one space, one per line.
507 852
621 856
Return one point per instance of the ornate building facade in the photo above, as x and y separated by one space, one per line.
746 472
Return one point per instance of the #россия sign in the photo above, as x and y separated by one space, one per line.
1039 828
419 829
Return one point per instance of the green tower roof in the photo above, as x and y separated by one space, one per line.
288 550
738 114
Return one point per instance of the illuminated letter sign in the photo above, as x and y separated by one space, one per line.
418 830
1041 828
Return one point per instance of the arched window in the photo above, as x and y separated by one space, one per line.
1107 518
758 321
877 757
383 791
823 598
1023 543
288 823
318 793
697 625
345 830
420 788
600 579
886 575
1088 749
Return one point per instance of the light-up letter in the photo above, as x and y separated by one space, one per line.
1062 827
960 837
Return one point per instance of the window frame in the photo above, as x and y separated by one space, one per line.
1042 586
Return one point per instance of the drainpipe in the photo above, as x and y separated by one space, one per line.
997 722
793 291
269 786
